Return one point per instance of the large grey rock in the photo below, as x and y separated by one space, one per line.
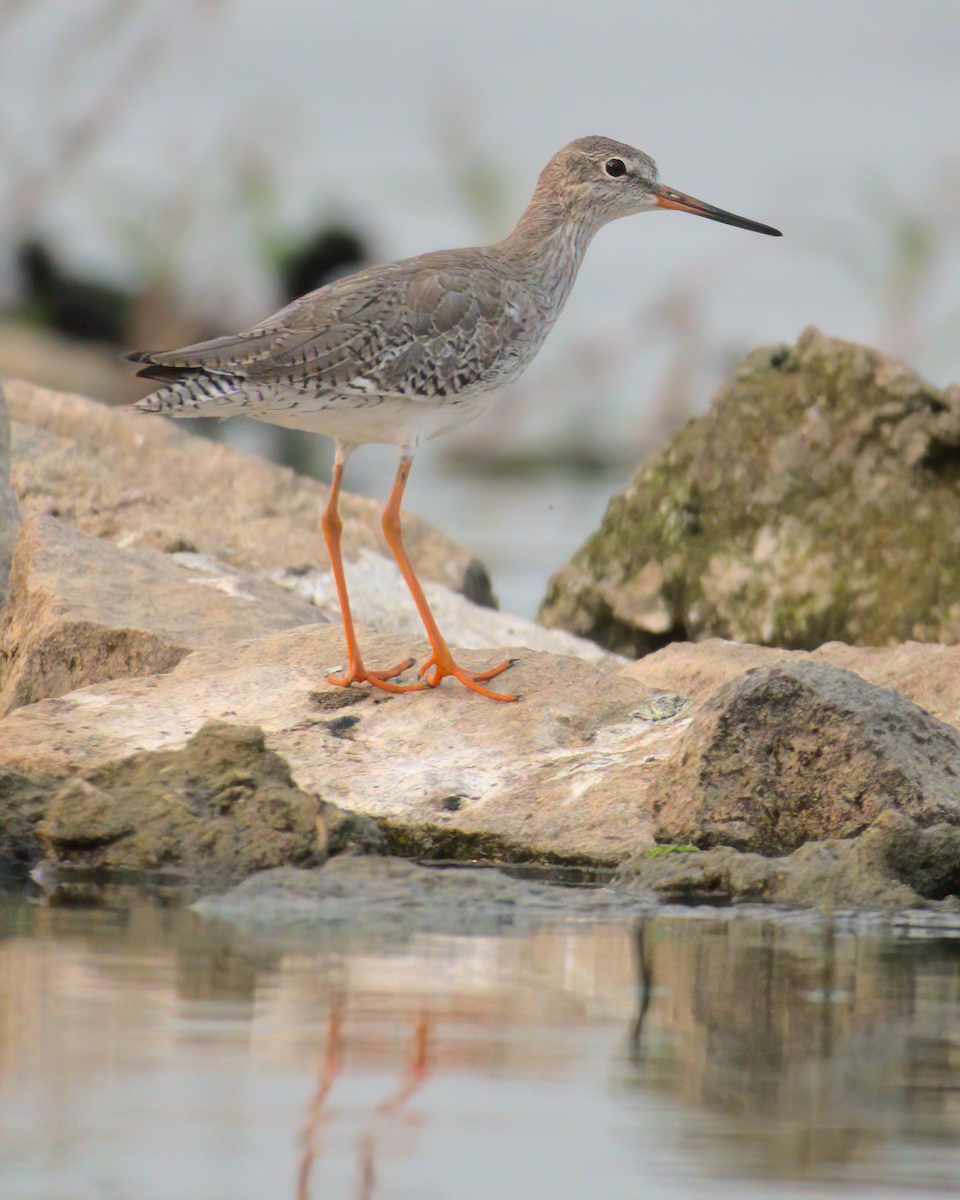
9 510
802 751
818 499
81 610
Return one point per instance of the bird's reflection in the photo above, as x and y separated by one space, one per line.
319 1113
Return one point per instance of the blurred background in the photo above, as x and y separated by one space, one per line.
174 169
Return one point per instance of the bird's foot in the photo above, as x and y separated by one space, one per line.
442 665
356 672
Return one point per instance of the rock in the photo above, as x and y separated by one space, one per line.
90 608
796 752
353 833
398 898
9 510
586 769
818 499
924 672
141 481
221 807
144 483
22 805
892 864
81 610
692 876
560 776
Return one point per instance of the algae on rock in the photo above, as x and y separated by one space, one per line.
221 808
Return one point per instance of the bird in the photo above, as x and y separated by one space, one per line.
407 351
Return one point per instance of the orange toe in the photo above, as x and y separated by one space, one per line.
358 673
440 666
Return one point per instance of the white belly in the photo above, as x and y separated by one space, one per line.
390 420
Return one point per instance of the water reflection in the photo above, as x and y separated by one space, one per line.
146 1052
816 1056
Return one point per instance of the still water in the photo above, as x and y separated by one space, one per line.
148 1052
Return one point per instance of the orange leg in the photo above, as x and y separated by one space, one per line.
441 660
417 1069
356 672
333 1061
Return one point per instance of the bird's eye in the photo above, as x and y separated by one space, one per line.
615 166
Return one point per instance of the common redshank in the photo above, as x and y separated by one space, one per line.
407 351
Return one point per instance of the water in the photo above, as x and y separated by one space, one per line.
149 1053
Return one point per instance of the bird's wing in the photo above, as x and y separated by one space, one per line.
416 329
222 355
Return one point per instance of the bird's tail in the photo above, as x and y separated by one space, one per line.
188 390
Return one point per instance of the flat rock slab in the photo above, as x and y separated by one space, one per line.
82 610
167 544
563 773
398 898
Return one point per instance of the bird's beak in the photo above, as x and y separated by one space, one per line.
668 198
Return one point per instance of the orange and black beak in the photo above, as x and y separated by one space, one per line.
668 198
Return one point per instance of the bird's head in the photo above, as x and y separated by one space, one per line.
598 180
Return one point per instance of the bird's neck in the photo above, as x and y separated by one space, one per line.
546 248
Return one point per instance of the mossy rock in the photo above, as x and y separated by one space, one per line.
817 500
